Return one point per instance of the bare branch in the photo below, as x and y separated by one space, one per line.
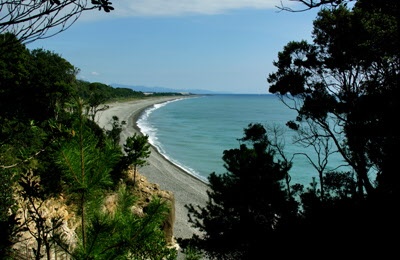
310 4
21 162
31 20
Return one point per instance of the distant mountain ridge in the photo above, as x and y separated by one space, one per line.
161 89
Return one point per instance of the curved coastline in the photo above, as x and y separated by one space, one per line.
137 116
187 188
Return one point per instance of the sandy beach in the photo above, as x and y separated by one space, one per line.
186 188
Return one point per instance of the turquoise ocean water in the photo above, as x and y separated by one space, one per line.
193 133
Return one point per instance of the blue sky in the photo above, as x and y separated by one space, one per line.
218 45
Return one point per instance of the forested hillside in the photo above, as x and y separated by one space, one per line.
58 167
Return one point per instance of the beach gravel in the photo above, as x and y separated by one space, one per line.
186 188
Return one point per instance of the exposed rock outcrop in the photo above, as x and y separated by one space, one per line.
56 215
145 191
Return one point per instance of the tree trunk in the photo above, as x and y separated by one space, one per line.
134 175
48 251
39 246
82 174
83 220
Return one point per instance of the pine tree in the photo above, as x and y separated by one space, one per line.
119 234
137 149
247 205
86 165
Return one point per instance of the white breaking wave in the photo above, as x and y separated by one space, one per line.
148 129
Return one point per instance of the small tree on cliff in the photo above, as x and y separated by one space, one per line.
246 205
137 149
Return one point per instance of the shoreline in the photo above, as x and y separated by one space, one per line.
187 188
135 119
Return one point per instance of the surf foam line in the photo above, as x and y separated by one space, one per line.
151 130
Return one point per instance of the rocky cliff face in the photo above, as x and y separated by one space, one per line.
55 215
146 191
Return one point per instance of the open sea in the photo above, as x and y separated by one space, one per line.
193 132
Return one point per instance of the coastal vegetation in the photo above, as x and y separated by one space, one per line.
246 205
58 168
137 149
344 87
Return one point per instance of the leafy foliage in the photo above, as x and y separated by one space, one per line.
45 132
115 131
9 223
247 204
137 149
86 165
344 87
100 93
119 234
334 82
38 79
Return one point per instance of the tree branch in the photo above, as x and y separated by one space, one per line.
21 162
310 4
30 20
